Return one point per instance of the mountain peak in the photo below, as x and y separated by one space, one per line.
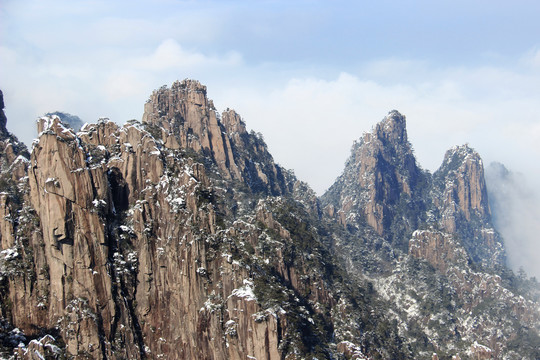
185 118
380 174
459 154
464 205
393 128
189 85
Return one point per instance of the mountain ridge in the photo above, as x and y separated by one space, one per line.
126 241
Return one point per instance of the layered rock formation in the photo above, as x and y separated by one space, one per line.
179 237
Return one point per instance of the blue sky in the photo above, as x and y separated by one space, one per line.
312 76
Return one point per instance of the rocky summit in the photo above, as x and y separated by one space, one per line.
179 237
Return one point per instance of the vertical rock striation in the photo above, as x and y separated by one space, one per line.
187 119
461 200
380 180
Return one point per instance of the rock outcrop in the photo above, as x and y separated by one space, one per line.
462 174
380 180
461 200
183 117
438 248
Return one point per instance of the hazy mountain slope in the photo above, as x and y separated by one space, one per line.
515 213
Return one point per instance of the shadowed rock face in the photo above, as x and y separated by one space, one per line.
383 187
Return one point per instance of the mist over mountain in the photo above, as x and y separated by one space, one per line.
514 203
178 236
73 121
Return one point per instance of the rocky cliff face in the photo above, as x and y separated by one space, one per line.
179 237
460 198
127 257
145 241
381 181
13 165
382 187
184 118
399 218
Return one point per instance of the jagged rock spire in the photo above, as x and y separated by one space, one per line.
392 129
381 169
187 119
463 167
383 187
460 195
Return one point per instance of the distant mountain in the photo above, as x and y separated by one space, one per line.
72 121
179 237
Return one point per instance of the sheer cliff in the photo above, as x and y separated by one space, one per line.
179 237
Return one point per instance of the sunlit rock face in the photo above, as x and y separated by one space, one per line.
157 240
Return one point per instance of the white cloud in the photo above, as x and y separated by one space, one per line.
170 55
310 122
532 58
111 82
124 84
